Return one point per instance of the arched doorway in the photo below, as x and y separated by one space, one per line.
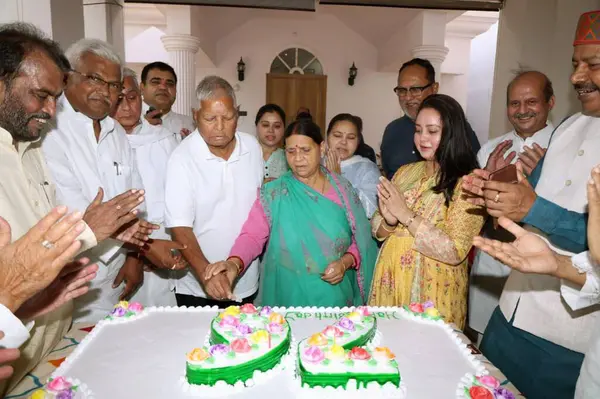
296 80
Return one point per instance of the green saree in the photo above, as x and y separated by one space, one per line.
308 232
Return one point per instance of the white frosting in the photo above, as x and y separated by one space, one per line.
144 356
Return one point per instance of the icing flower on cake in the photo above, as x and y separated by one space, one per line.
276 318
259 336
275 328
241 345
383 353
244 329
336 352
231 311
480 393
136 307
122 304
333 332
219 349
248 308
118 312
230 322
416 307
313 354
346 324
354 316
359 354
503 393
198 355
59 384
317 339
363 310
427 305
432 312
265 311
488 381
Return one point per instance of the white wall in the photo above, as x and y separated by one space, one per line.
480 82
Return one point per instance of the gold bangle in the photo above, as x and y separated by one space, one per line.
383 223
238 266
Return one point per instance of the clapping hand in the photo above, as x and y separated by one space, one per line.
530 157
70 284
332 162
593 232
497 160
35 260
393 200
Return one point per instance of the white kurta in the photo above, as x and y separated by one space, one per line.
152 146
174 122
588 384
364 176
535 300
79 165
489 275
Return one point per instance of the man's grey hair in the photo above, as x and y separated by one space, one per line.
130 73
210 85
94 46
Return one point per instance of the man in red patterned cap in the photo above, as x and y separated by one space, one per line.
538 334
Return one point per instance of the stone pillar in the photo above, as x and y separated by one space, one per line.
104 21
182 51
434 54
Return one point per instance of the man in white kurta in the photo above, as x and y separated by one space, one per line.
213 178
159 91
530 98
88 150
152 146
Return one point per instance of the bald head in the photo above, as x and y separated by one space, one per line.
529 100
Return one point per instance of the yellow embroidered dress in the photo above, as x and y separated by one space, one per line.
431 266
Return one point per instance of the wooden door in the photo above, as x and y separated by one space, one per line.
291 92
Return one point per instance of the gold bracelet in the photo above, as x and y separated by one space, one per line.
238 266
383 223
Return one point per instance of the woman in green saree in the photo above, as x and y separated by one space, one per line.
319 249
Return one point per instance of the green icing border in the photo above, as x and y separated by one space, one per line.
202 376
363 340
341 380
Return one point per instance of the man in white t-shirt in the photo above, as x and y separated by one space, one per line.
529 100
213 178
159 91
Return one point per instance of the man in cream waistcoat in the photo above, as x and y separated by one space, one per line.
534 336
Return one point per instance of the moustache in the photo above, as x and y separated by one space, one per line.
41 115
525 115
585 86
105 100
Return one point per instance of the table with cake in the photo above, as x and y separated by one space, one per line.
246 351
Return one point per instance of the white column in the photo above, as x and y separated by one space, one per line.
104 21
434 54
182 51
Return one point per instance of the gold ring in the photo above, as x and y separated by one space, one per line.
497 197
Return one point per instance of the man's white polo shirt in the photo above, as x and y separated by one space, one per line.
214 197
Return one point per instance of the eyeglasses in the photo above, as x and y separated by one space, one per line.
415 91
98 82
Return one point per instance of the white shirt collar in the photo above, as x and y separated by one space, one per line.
66 113
546 132
239 150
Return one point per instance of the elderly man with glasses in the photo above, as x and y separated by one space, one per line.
89 156
416 82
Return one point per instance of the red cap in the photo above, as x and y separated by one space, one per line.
588 29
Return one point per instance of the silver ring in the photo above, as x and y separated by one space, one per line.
118 207
47 244
497 197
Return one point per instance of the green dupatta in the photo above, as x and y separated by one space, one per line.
308 232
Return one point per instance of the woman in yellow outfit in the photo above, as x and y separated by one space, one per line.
427 225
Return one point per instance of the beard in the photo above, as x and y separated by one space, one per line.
15 119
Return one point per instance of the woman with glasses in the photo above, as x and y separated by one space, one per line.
426 225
